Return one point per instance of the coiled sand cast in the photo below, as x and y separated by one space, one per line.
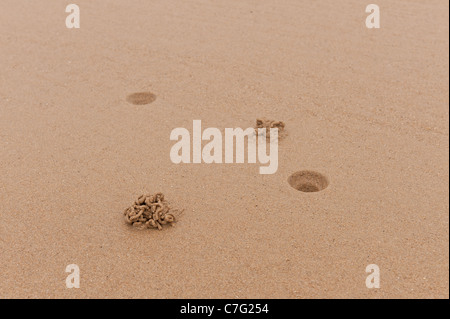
150 211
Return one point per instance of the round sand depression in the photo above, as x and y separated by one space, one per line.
308 181
141 98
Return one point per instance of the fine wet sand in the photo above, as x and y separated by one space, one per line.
366 109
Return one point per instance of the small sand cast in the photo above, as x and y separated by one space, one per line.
150 211
268 124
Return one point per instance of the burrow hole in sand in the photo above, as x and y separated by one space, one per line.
141 98
308 181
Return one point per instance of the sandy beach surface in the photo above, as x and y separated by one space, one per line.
367 108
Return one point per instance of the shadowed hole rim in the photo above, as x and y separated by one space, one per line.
141 98
308 181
